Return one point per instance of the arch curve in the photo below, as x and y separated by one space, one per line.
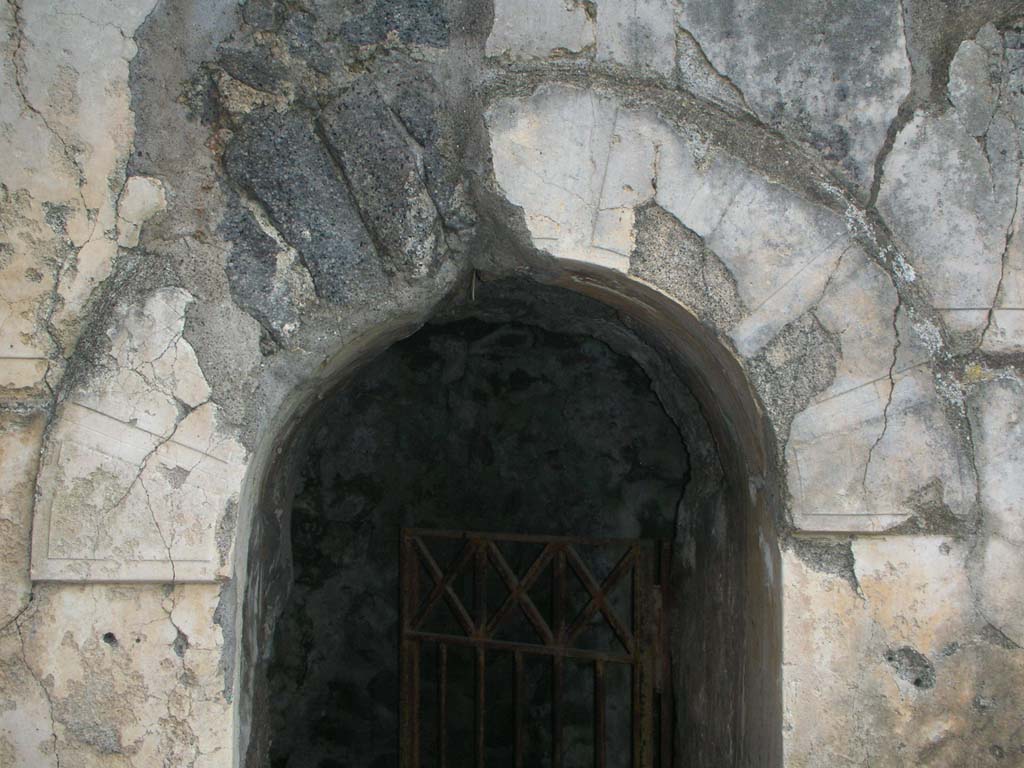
727 664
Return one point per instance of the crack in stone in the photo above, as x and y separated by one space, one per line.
892 390
1003 264
418 151
19 85
976 604
43 688
143 465
904 114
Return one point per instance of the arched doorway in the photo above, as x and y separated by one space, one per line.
589 406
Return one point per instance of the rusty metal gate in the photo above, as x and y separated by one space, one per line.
555 587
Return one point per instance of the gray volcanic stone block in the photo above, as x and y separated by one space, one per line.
278 160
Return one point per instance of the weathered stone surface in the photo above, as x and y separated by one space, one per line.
966 165
26 286
141 198
67 119
306 200
849 469
580 190
639 35
140 469
26 736
21 436
422 22
295 179
899 657
829 73
936 165
863 452
384 171
113 676
997 416
267 277
540 28
678 260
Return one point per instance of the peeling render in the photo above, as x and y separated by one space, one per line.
212 214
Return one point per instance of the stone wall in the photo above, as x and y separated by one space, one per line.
212 212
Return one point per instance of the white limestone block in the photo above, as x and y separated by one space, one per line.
139 469
540 28
830 73
142 197
640 35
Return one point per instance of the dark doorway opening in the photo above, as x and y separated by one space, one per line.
487 426
519 408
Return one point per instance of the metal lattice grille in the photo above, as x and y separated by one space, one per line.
526 600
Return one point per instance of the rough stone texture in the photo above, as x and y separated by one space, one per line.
782 257
141 468
70 127
966 165
20 438
829 73
539 29
210 212
904 656
108 675
641 35
997 413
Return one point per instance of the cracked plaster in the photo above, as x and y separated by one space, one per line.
951 191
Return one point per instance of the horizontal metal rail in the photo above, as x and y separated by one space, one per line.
642 635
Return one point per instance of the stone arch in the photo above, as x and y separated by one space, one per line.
729 569
808 289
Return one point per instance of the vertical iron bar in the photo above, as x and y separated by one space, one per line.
442 705
643 688
635 681
481 716
556 711
558 595
600 715
643 679
520 703
479 591
558 606
667 696
410 662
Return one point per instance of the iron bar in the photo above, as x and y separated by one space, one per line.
510 645
558 594
480 587
520 694
600 717
666 715
517 591
442 705
481 713
557 685
598 596
443 584
409 661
